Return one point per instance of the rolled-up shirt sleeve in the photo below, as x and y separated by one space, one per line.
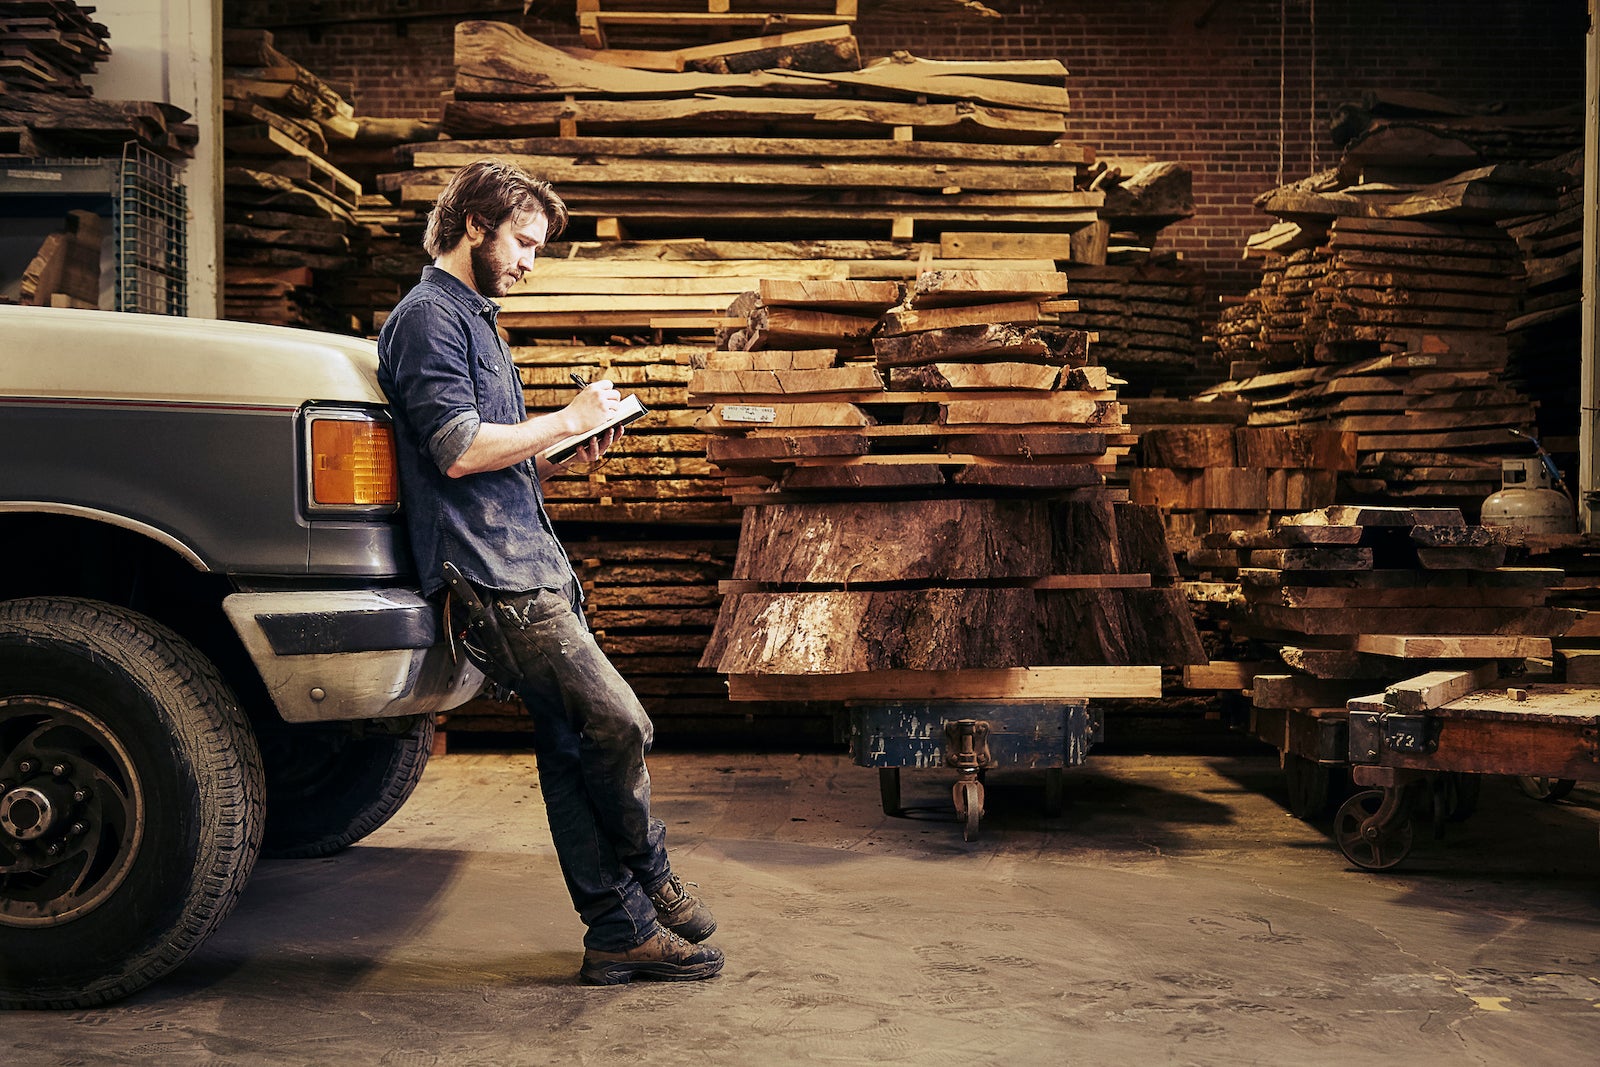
428 358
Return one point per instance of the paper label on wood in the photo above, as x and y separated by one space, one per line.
747 413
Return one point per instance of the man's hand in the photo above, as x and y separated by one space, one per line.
597 448
593 405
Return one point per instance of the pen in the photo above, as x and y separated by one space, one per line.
578 380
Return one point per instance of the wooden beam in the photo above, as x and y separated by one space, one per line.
1013 683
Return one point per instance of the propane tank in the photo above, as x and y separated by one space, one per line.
1527 500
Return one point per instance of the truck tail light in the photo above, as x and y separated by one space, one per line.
350 462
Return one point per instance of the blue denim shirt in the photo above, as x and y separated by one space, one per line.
445 370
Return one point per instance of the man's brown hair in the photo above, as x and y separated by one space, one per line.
491 191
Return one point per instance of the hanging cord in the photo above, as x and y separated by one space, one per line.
1283 79
1311 107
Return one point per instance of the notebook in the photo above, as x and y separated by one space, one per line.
630 410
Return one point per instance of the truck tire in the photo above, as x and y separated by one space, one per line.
132 803
327 788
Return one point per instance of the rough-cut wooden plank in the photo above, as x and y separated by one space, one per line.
1295 447
1060 407
861 296
1298 691
874 476
913 321
1191 447
812 359
708 386
947 288
997 340
1438 688
720 419
1531 621
1326 596
1040 444
1224 675
1460 646
1030 475
1023 683
828 48
975 376
848 632
786 327
1371 515
1286 537
1313 558
1342 663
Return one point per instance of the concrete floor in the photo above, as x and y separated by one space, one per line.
1174 914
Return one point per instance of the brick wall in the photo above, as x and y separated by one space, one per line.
1237 89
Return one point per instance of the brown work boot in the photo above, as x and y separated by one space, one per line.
681 911
663 957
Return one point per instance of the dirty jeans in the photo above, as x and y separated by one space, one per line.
590 739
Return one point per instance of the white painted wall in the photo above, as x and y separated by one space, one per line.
1589 385
171 50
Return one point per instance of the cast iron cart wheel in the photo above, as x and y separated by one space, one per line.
1363 842
1549 790
327 787
969 807
1308 783
130 802
889 790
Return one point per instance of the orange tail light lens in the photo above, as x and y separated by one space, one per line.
353 463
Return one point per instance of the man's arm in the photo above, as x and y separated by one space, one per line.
496 447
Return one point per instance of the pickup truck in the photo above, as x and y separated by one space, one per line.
212 642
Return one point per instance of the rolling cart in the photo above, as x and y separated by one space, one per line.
972 737
1406 743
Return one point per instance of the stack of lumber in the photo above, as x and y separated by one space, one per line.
1545 336
386 255
1396 135
955 380
66 270
1388 286
1402 324
903 144
1350 597
48 46
289 214
1213 481
46 109
924 499
685 287
657 24
657 472
957 598
1145 320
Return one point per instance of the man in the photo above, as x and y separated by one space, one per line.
470 476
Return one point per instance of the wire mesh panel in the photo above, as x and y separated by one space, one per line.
151 220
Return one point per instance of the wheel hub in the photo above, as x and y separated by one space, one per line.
28 813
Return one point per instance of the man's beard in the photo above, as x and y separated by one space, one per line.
489 274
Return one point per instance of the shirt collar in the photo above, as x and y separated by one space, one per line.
459 290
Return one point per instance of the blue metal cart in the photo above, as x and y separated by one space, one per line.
972 737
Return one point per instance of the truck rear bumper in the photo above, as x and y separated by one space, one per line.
329 655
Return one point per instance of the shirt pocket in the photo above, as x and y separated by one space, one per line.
499 394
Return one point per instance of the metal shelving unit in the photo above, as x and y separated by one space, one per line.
148 208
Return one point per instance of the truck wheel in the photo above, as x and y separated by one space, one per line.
130 802
327 787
